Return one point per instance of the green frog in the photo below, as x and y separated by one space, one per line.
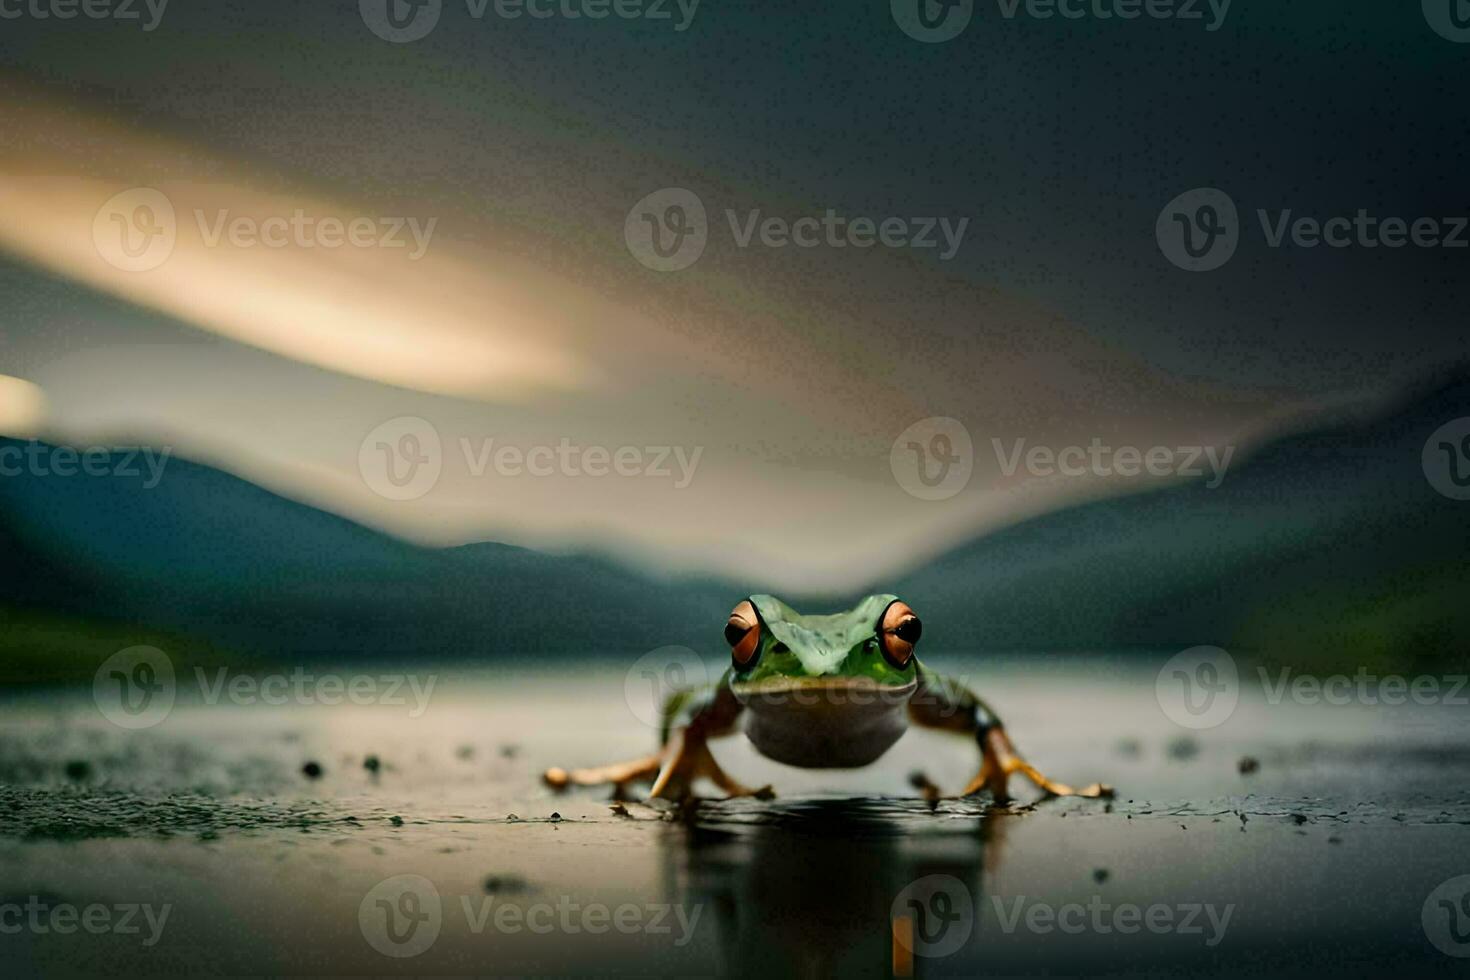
819 692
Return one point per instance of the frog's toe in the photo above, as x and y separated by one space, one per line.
734 788
991 777
1094 792
929 791
691 760
672 785
618 775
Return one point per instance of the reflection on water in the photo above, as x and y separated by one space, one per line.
809 885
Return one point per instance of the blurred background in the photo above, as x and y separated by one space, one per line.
488 353
495 173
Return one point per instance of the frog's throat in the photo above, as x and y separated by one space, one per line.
831 722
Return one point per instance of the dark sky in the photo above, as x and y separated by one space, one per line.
1058 319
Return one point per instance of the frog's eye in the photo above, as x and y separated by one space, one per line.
898 631
743 633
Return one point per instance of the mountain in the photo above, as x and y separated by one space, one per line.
1327 546
210 556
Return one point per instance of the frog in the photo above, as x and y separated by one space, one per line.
818 692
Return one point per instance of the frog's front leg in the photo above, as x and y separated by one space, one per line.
620 775
689 759
683 757
686 748
944 704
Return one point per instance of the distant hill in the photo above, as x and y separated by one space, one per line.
212 556
1328 546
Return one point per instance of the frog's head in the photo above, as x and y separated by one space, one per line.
841 681
770 641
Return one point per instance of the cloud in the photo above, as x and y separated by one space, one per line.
22 408
792 373
328 282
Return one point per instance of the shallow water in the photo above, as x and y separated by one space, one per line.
1324 858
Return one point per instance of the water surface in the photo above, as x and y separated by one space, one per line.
1325 855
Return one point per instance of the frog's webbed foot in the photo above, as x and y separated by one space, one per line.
620 775
999 761
949 706
689 759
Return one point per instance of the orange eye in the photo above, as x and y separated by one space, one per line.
743 633
898 631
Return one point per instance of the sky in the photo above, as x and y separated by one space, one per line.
754 410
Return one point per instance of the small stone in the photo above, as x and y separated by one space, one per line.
396 821
372 763
312 770
498 884
1183 748
1100 875
78 769
1248 764
555 817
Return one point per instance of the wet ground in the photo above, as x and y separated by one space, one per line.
248 838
